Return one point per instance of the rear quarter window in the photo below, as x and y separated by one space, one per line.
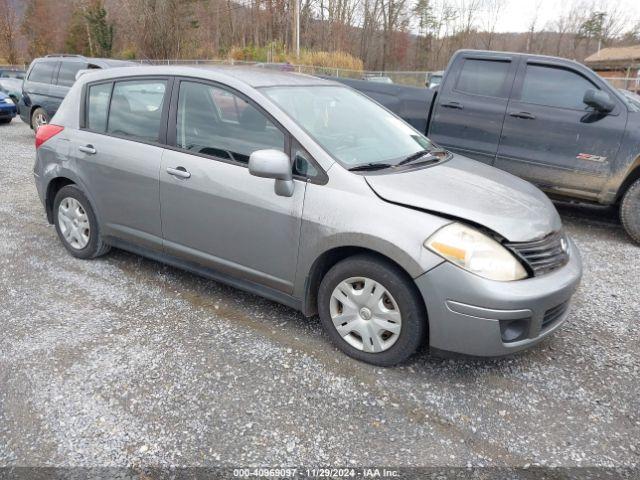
67 73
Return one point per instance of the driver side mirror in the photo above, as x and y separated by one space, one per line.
273 164
599 100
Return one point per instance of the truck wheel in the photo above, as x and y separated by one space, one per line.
630 211
372 310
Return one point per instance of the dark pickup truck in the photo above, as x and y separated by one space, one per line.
548 120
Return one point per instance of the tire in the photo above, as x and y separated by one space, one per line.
5 120
397 295
81 243
39 117
630 211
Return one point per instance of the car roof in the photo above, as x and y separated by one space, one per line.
494 53
251 76
100 62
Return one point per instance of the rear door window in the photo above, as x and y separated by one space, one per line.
484 77
67 73
42 72
136 109
555 87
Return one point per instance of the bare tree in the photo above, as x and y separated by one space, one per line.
8 31
533 24
492 11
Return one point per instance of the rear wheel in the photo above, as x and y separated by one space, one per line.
630 211
76 224
372 310
39 118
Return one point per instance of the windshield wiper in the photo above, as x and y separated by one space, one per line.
370 166
422 155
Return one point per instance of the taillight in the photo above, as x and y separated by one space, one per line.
45 132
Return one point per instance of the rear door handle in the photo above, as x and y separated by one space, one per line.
87 149
179 172
524 115
455 105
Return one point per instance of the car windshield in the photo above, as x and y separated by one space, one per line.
351 128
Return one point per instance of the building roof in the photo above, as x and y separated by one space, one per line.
617 55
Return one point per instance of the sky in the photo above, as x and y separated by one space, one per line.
517 14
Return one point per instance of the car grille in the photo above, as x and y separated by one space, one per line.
542 256
553 314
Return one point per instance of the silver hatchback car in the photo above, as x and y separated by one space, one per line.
308 193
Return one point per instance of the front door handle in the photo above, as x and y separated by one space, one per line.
524 115
455 105
179 172
88 149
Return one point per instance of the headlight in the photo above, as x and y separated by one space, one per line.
9 101
475 252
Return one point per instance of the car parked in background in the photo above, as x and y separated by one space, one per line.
11 83
308 193
7 108
434 79
549 120
282 66
48 80
377 78
632 97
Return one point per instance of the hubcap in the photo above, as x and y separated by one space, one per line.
40 120
74 223
365 314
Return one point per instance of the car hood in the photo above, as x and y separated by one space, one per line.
11 84
472 191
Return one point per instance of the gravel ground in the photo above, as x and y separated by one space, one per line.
124 361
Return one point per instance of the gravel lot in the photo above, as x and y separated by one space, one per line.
124 361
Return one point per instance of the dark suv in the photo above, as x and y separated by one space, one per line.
48 80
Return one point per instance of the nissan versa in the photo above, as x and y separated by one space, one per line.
308 193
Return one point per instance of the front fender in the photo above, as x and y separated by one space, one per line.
337 217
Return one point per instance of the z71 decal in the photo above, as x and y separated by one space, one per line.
591 158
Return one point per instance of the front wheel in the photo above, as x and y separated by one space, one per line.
372 310
630 211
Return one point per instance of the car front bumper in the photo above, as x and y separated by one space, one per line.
475 316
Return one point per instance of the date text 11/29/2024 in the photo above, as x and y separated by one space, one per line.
315 473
